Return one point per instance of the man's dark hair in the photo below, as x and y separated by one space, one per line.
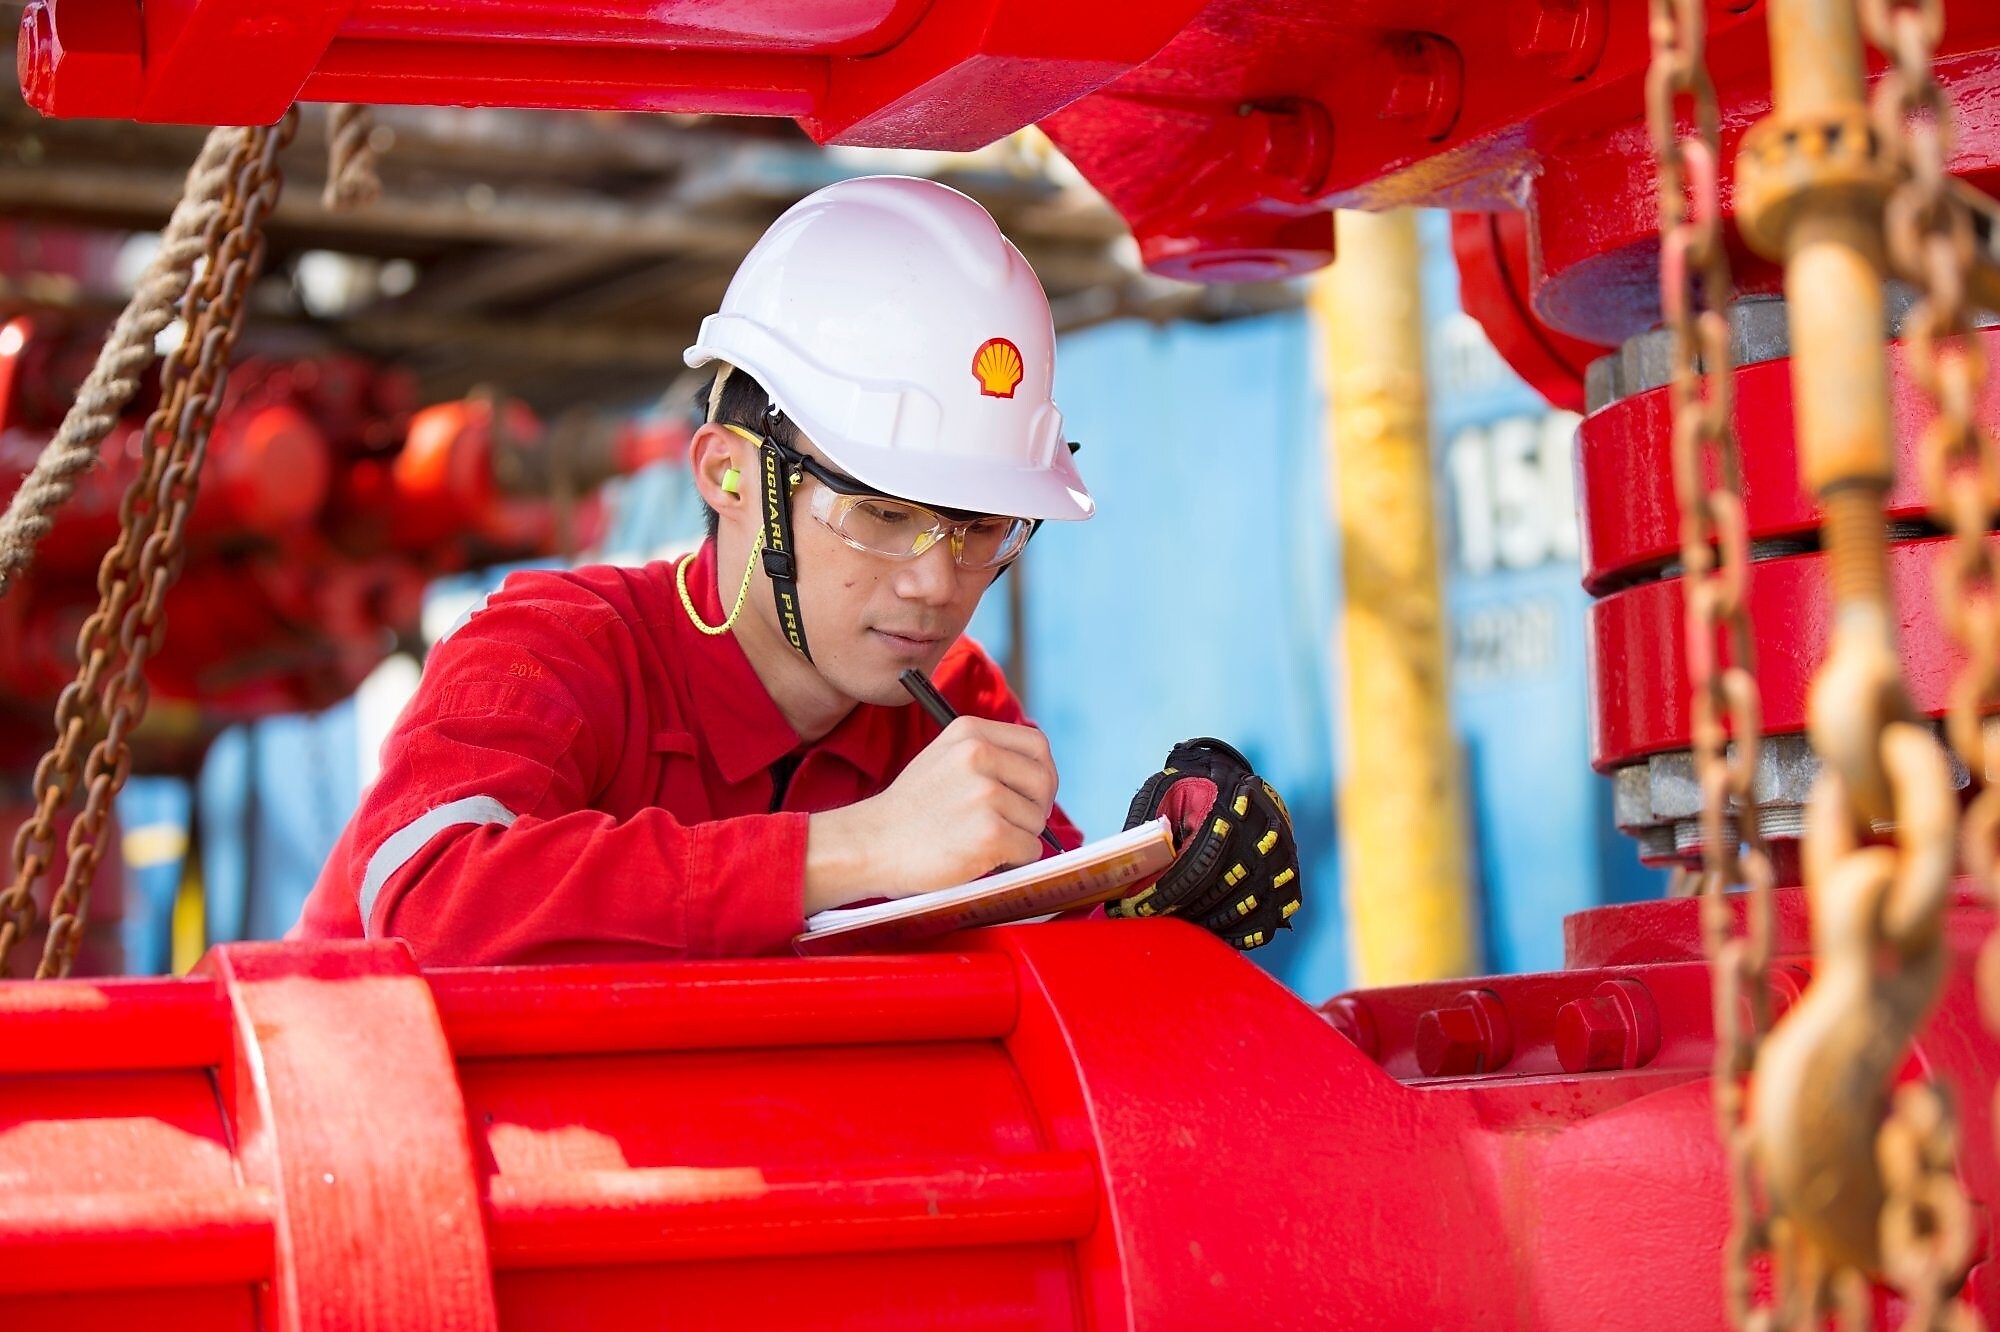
745 403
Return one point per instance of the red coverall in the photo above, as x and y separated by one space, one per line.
582 775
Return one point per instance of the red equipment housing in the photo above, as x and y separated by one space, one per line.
319 1135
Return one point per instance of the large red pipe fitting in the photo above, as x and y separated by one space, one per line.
1533 106
294 629
1641 728
1495 279
326 502
449 483
321 1135
267 473
267 476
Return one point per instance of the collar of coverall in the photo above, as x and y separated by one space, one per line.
740 724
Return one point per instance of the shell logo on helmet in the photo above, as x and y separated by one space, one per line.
998 368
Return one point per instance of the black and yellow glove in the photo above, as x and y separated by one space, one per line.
1236 867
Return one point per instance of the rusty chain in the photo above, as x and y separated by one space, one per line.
98 711
1695 296
1856 1185
1926 1235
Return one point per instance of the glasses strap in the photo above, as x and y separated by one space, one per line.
781 478
780 560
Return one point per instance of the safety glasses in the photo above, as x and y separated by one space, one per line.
898 529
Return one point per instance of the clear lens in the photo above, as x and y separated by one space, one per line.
887 527
900 530
991 541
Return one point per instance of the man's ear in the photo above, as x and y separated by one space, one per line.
722 469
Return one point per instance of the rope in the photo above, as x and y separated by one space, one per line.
351 181
126 354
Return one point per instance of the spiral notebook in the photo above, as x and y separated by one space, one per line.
1094 872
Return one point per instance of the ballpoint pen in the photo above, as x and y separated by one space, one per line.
928 698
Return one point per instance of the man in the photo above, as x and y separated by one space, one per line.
686 759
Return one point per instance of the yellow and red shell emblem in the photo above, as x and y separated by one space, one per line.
998 368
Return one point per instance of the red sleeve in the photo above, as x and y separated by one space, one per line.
477 844
973 683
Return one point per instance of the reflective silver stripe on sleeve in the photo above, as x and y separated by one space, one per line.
397 849
465 617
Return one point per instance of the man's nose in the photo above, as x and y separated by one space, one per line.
931 577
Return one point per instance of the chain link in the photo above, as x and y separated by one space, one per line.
1926 1232
98 711
1727 714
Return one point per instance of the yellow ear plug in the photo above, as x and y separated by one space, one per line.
732 481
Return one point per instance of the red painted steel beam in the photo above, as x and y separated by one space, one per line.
825 27
1224 133
903 73
615 78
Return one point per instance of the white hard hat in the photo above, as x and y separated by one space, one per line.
890 320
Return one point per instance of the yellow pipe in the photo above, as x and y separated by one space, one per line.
189 937
1402 831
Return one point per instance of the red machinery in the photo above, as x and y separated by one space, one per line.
1517 1151
328 501
326 1137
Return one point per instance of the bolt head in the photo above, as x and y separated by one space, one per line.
1426 82
1545 27
1615 1026
1450 1043
1409 95
1351 1018
1590 1036
1567 34
1290 146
